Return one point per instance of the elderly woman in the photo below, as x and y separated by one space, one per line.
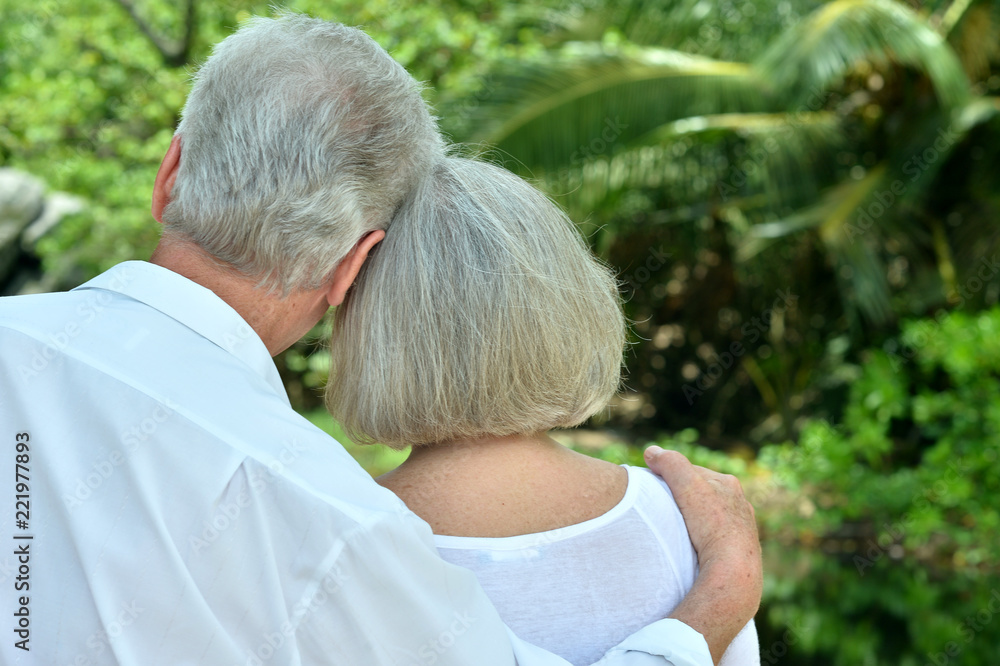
481 322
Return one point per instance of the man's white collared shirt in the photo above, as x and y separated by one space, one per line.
174 509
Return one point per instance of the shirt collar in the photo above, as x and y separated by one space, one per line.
196 307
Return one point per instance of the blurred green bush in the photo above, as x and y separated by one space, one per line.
882 531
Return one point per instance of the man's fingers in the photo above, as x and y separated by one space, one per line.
732 482
676 470
713 504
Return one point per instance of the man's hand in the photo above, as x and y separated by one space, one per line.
723 530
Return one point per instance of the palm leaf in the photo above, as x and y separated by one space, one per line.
589 102
817 53
954 15
780 156
832 216
973 34
757 162
848 241
861 278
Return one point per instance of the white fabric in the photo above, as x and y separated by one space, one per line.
183 513
578 590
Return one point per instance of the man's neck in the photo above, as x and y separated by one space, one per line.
278 321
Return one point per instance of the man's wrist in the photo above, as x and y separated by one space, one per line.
724 598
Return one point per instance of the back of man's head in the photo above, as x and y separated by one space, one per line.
298 137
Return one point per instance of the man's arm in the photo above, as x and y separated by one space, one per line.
396 601
723 529
390 600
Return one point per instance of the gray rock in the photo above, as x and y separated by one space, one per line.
21 201
57 206
21 196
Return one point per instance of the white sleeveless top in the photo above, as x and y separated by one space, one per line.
580 590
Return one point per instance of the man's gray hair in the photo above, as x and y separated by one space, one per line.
299 136
482 313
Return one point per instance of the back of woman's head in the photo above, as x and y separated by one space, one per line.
482 313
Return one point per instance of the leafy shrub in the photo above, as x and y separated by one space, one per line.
881 533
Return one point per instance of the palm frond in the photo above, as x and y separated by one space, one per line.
779 156
818 52
847 238
832 215
861 278
589 102
976 112
954 15
758 162
973 35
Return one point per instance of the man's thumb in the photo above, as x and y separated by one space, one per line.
670 465
652 452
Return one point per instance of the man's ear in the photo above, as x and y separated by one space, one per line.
165 178
349 267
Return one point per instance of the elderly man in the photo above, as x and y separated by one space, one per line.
167 506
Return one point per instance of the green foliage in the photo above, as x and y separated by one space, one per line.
840 146
827 45
89 104
890 518
880 531
376 459
685 441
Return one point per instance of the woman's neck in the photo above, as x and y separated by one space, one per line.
484 451
504 486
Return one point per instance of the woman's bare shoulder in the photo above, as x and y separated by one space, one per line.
498 495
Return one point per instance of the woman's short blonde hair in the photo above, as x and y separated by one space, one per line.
482 313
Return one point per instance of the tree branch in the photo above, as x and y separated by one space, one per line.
174 52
